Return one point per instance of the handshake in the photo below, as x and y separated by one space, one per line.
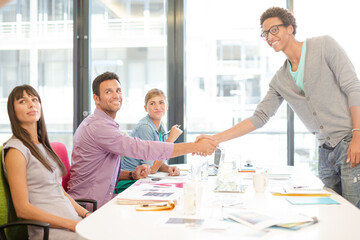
205 145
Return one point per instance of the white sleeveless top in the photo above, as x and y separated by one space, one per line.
45 190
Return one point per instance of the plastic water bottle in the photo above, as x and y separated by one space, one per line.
227 177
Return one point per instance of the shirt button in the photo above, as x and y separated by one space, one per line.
321 127
314 113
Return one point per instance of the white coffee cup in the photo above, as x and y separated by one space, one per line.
259 182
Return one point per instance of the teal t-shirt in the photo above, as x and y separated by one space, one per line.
299 74
160 135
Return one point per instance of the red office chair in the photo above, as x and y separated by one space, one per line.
61 151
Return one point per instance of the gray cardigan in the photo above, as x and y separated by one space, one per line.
331 88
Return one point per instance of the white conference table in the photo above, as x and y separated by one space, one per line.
113 221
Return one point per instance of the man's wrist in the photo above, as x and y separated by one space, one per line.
356 133
130 176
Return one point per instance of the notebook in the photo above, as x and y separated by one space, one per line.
311 200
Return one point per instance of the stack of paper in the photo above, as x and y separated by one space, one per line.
277 174
150 192
302 190
260 220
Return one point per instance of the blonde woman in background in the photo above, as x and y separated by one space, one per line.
152 128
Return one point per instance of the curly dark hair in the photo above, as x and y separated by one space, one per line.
284 15
101 78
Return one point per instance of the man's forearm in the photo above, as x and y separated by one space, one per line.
183 148
355 115
240 129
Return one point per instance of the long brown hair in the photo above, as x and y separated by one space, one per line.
24 136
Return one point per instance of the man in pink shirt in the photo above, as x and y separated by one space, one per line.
99 144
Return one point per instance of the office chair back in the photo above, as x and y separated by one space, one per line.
61 151
7 210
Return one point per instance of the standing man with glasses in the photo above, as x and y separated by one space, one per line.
319 83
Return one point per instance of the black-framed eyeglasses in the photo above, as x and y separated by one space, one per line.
273 30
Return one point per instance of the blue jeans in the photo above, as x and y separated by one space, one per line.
336 174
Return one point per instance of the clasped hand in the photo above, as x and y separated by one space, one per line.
173 171
141 171
207 145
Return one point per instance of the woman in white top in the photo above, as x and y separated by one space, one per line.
34 171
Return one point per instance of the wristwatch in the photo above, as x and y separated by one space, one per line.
130 176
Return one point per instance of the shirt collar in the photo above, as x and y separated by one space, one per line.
101 114
162 129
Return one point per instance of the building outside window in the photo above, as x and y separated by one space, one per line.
341 28
36 45
227 65
227 58
129 38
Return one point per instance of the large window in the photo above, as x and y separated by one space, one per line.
227 66
228 69
129 38
36 45
340 21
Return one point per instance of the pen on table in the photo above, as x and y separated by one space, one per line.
184 170
170 130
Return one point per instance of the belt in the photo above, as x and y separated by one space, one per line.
326 147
